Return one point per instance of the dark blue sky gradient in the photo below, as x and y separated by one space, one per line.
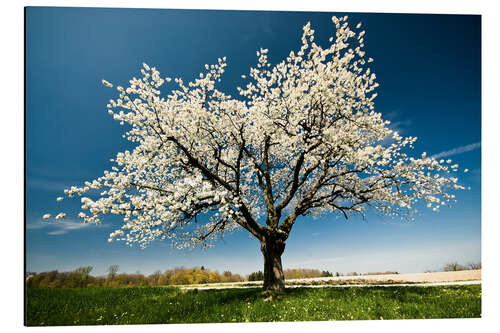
428 68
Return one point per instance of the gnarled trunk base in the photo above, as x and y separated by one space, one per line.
274 280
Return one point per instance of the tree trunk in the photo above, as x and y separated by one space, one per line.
272 249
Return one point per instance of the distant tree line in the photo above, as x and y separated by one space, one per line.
81 278
454 266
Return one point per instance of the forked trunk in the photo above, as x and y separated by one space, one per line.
273 271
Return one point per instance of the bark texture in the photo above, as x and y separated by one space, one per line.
272 249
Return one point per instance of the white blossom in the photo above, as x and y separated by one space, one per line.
302 138
106 83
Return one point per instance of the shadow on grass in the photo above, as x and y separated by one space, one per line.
160 305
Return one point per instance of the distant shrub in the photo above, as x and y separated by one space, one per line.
196 275
474 265
304 273
381 273
326 274
453 266
256 276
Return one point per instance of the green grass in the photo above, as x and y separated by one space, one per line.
155 305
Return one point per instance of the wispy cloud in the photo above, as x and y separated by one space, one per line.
400 126
57 232
458 150
397 124
59 227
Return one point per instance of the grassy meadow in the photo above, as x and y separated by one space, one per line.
163 305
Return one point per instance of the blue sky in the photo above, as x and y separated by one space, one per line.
428 68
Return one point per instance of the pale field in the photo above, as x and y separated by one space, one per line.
401 278
411 277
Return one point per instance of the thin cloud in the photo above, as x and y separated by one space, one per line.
57 232
458 150
400 126
59 227
397 124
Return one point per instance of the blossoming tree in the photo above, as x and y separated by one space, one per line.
303 139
